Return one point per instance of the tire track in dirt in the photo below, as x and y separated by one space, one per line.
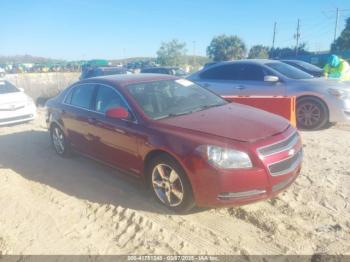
2 246
57 207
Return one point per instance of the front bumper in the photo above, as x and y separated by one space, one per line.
224 188
339 109
8 117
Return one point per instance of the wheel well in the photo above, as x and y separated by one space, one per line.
52 125
153 154
315 98
158 152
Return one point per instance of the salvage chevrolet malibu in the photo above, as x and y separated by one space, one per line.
189 145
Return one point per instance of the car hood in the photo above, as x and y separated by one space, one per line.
232 121
13 98
16 99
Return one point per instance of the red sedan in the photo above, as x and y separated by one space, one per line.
189 145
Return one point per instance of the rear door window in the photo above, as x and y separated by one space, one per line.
107 98
222 72
81 96
250 72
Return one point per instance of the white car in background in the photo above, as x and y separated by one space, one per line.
15 105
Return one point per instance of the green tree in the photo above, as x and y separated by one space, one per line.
286 52
224 48
259 51
171 53
343 41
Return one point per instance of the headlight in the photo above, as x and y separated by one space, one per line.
227 158
340 93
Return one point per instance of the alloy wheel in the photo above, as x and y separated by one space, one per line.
58 140
167 185
309 114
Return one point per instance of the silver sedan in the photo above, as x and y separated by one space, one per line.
319 101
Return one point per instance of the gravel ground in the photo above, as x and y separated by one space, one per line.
51 205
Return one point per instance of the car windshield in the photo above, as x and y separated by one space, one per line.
169 98
7 87
289 71
308 66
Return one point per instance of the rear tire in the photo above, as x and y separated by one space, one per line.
59 141
311 113
169 184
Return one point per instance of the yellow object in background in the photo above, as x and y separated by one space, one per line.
337 68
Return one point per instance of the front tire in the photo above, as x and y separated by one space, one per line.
59 141
312 113
169 184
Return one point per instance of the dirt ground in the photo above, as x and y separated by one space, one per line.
51 205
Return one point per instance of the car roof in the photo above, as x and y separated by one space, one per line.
292 60
249 61
124 80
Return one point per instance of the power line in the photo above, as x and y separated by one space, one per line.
318 30
337 15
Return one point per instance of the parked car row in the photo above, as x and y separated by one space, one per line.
88 72
95 71
319 101
175 71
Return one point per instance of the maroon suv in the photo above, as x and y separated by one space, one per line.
189 145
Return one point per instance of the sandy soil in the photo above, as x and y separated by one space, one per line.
51 205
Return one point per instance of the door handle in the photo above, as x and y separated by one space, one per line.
240 87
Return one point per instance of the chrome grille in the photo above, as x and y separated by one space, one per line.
286 165
280 146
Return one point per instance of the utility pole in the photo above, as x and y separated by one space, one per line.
336 24
297 37
274 35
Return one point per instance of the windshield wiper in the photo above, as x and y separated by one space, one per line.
174 115
189 112
206 107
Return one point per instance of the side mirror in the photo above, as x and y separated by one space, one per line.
118 113
271 79
21 89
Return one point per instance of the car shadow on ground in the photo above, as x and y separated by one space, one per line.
30 154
